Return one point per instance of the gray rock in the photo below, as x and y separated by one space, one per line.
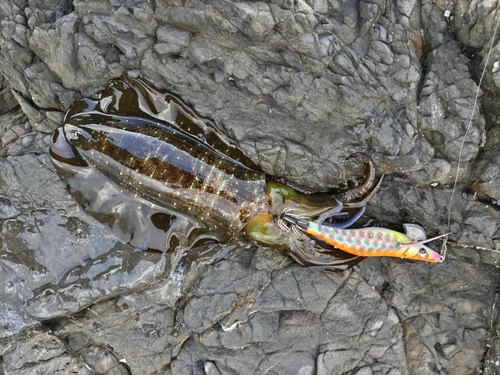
8 101
41 352
486 172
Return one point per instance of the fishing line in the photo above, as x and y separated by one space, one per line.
469 124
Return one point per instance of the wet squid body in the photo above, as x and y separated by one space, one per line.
152 144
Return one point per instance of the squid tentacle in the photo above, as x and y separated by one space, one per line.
342 222
307 255
366 198
366 184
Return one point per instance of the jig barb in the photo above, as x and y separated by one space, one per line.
368 242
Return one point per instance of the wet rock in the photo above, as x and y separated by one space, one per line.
7 101
444 85
276 321
443 310
40 352
299 86
56 258
7 210
485 173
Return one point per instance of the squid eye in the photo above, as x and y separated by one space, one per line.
422 253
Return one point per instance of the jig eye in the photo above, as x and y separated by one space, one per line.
422 253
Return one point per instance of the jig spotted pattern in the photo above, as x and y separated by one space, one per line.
367 242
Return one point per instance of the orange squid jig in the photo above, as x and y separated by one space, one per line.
367 242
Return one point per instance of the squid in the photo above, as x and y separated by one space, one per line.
152 144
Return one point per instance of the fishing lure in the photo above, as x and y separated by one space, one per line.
366 242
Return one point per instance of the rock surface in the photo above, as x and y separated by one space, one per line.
300 86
